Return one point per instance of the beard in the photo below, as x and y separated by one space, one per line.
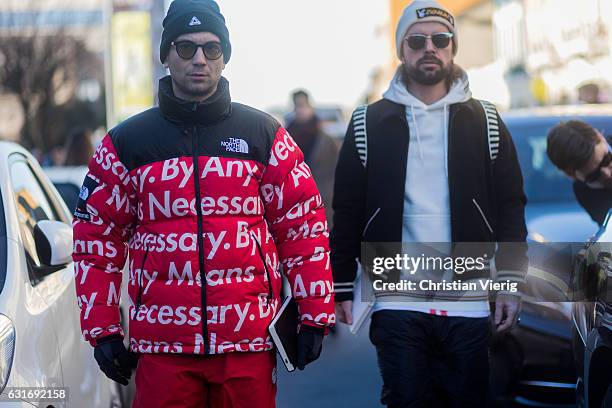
428 76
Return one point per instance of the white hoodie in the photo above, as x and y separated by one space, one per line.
426 199
426 195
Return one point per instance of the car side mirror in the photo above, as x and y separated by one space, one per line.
53 240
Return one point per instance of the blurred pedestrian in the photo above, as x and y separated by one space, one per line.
78 148
209 197
584 155
429 164
320 150
54 157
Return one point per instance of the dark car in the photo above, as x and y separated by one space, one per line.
534 364
592 315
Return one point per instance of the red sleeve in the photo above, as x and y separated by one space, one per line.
295 214
103 221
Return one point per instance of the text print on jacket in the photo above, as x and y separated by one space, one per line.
209 200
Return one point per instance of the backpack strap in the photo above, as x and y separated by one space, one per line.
492 128
360 133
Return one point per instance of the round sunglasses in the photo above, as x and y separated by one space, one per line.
187 49
417 41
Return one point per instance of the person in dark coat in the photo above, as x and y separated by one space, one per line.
584 155
320 149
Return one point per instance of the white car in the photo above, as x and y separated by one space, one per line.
68 182
40 339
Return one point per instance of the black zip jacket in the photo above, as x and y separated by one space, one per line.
486 196
595 201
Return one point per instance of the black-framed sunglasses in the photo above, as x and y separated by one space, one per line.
439 40
187 49
596 174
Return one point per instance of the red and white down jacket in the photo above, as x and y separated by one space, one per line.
259 211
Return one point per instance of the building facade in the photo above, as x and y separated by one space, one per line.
559 51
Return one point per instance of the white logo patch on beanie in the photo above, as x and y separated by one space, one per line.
194 21
435 12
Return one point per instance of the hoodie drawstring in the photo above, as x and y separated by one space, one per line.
416 131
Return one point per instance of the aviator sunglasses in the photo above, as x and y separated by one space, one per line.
439 40
187 49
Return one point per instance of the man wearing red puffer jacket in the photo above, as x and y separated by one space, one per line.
210 198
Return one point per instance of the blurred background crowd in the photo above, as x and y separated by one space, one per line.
77 68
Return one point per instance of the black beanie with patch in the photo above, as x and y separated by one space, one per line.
192 16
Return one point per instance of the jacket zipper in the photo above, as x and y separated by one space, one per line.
263 259
139 280
484 218
369 222
451 121
195 147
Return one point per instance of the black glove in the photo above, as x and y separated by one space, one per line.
310 342
114 360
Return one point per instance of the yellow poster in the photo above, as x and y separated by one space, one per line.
132 67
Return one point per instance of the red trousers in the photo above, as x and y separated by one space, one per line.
233 380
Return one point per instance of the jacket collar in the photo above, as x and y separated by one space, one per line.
214 109
394 110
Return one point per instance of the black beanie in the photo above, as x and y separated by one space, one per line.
191 16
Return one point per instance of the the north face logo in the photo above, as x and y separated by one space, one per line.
235 145
194 21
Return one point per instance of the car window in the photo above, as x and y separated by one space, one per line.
32 207
543 181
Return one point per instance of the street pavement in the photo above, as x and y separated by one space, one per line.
346 375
